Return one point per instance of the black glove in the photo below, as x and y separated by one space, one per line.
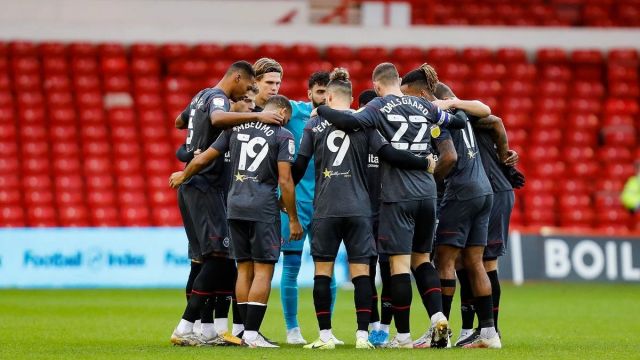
515 177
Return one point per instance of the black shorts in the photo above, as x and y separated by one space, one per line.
499 224
464 223
375 221
256 241
406 227
204 216
356 232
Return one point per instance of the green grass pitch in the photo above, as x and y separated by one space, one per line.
542 320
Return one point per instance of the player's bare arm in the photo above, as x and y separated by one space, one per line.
228 119
287 188
472 107
499 135
446 160
198 163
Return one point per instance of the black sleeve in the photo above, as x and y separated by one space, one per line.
183 155
299 167
340 119
402 159
457 120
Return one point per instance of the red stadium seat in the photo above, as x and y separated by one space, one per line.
104 216
511 55
68 182
38 197
9 181
574 186
9 149
163 197
26 66
54 66
551 56
97 165
42 216
111 49
623 56
69 197
10 197
84 83
66 165
208 51
82 50
117 83
59 99
135 216
304 52
145 50
147 84
73 216
166 216
99 181
12 216
34 148
241 51
84 66
174 51
272 50
101 198
408 53
130 182
145 66
35 181
62 132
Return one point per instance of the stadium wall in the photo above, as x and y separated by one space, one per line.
156 257
229 22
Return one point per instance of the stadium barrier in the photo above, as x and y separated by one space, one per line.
157 257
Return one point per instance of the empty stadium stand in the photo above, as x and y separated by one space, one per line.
87 136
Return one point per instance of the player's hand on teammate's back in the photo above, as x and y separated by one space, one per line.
176 179
295 229
314 112
512 158
432 164
270 117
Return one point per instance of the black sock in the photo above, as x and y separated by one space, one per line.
242 311
195 270
495 295
204 286
447 299
322 300
375 314
255 315
206 313
237 318
224 295
386 308
401 295
194 306
466 300
428 283
484 307
362 299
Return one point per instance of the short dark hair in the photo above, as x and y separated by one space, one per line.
242 66
424 77
340 82
320 78
366 96
385 73
442 91
280 102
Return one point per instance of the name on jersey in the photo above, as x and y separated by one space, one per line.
266 129
389 106
320 127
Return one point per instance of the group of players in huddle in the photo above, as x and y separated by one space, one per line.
412 166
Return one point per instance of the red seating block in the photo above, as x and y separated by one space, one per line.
73 216
104 216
